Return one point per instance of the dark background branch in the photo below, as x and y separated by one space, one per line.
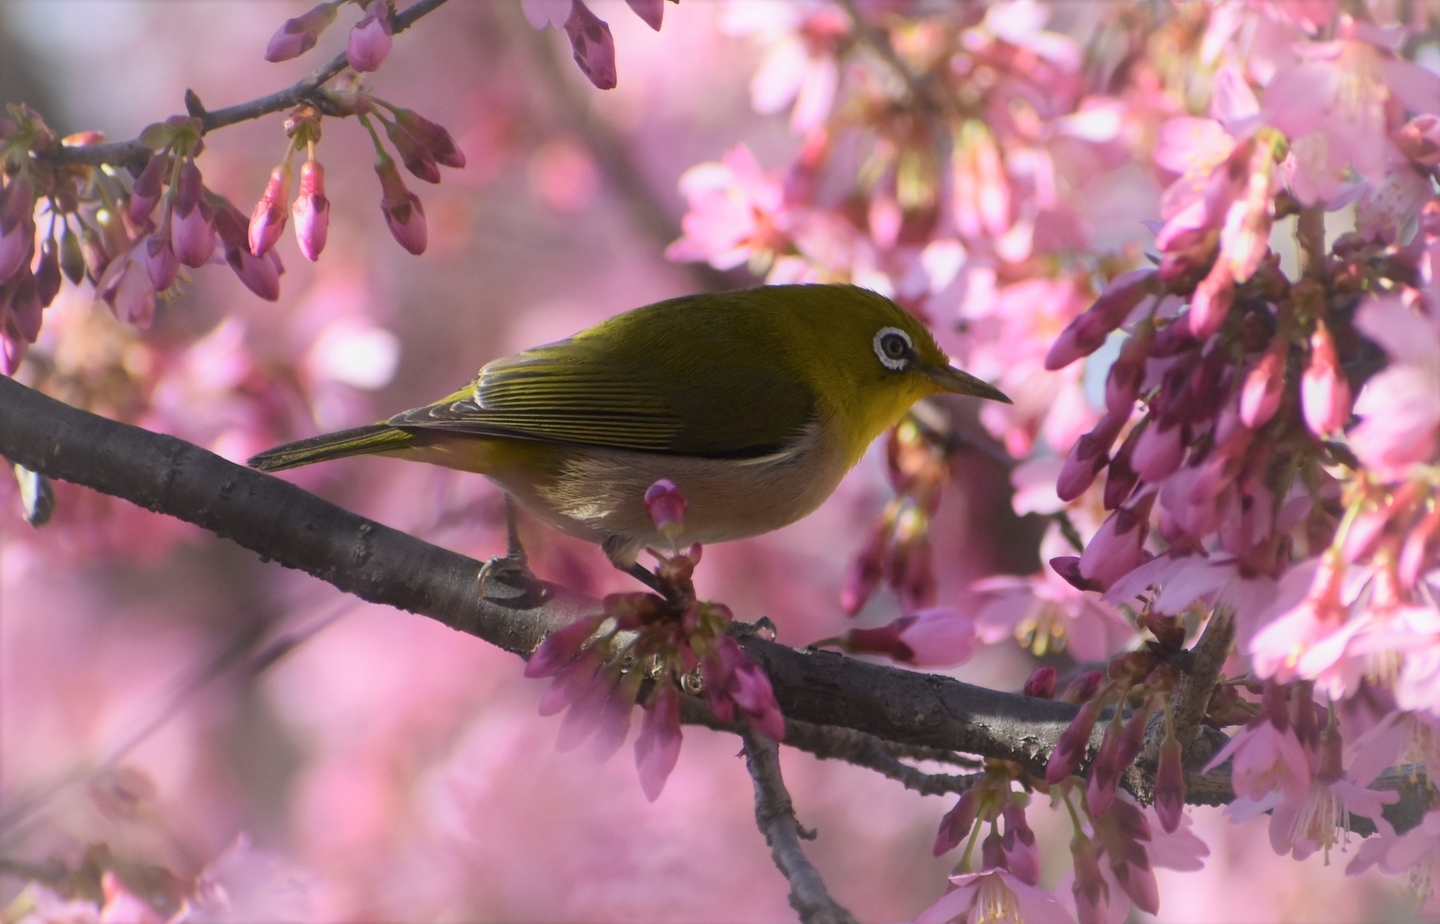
282 522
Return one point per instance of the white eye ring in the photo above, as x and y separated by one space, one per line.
893 363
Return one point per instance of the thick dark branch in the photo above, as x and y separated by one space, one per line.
133 153
279 521
775 815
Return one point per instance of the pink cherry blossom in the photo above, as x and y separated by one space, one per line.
1400 420
994 895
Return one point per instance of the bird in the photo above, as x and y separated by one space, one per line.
753 403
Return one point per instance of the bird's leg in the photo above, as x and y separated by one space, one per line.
621 556
513 568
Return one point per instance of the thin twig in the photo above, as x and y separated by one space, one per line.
133 153
775 814
1192 696
1310 235
867 751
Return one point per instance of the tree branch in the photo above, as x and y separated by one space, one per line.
280 521
775 815
133 153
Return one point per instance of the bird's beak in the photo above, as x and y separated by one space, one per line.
948 378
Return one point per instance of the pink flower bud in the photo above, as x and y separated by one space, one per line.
192 232
1092 893
1417 556
47 274
657 747
1170 785
300 34
1104 773
1265 385
1117 548
17 226
1324 389
24 309
562 647
1042 683
433 136
652 11
148 186
370 40
267 222
160 260
1085 334
1211 302
402 209
1121 477
1022 856
866 571
1122 384
1419 140
311 211
260 275
417 157
1073 743
72 255
125 287
956 824
593 47
1068 567
665 504
1088 456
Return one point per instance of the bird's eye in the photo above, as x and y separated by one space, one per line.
893 347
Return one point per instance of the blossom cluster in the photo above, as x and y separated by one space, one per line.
1213 427
647 649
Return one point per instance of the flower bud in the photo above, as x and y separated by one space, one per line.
47 274
300 34
1419 140
1088 456
1042 683
72 258
311 211
370 40
665 504
125 287
192 229
1088 331
160 260
1068 567
652 11
1092 894
267 222
1022 856
260 275
1117 548
1105 772
866 571
148 186
1170 784
92 250
1324 389
433 136
17 226
1121 477
1073 743
593 46
417 157
402 209
1264 385
657 747
1122 384
1211 302
956 824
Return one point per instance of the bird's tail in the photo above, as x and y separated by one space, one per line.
357 441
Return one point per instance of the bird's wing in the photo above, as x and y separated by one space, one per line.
564 392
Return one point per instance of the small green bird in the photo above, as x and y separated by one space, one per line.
754 403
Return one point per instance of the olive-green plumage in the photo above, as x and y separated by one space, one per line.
755 403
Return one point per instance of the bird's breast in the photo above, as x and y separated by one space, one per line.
598 494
